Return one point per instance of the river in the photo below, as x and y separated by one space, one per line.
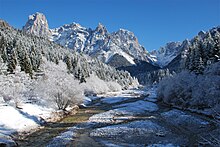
129 118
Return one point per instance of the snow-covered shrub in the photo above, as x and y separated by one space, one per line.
176 89
14 87
189 90
58 87
113 86
97 86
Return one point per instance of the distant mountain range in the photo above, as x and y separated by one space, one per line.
119 49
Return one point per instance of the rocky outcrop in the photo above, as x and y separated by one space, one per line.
37 25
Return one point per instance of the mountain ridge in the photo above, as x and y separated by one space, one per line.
97 43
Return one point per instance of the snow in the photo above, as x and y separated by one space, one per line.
6 140
64 138
112 100
119 144
124 112
152 95
119 96
162 145
108 55
129 130
166 54
17 120
180 118
37 110
108 117
43 22
100 45
163 60
127 57
137 107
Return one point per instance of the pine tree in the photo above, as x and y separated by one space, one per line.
57 60
36 58
198 60
68 63
214 48
12 59
82 79
27 65
21 53
200 67
191 65
78 74
2 66
3 51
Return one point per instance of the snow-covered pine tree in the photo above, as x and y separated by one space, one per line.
27 65
68 63
12 59
215 50
198 60
35 58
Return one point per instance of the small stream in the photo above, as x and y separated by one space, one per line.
43 136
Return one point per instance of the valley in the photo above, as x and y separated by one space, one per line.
79 86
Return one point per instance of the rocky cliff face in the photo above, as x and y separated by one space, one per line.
37 25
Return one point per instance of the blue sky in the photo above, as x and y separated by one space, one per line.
154 22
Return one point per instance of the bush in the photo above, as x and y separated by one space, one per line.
192 91
59 87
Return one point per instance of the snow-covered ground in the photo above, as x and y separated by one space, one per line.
23 119
18 120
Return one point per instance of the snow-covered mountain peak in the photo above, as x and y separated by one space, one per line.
127 37
124 32
71 35
165 54
202 34
37 25
73 25
101 29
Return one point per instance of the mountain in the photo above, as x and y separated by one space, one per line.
165 54
37 25
121 45
203 49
